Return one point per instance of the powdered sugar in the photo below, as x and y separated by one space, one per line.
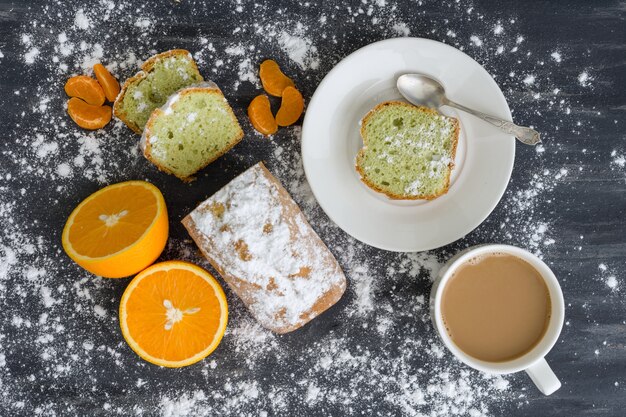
401 29
299 48
182 406
375 352
619 159
413 188
64 170
476 40
612 283
556 56
529 80
260 241
608 277
584 79
81 21
243 58
31 55
247 71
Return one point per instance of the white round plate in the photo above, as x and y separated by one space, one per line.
331 140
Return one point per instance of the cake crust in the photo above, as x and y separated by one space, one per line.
457 130
284 281
150 62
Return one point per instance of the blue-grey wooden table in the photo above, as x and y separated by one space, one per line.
561 65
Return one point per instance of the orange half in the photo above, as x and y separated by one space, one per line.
173 314
118 230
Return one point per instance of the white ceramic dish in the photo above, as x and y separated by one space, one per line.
331 140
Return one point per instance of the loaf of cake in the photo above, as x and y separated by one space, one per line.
160 77
192 129
408 151
257 238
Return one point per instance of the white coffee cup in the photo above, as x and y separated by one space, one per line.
532 362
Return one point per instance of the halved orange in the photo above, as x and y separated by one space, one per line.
173 314
118 230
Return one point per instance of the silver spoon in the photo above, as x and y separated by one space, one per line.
422 90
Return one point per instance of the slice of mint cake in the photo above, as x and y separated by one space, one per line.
160 77
192 129
408 151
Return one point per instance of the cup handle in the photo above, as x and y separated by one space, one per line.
543 377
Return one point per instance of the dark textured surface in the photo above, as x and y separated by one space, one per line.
585 210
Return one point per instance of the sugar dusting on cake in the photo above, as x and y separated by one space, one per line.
376 349
251 238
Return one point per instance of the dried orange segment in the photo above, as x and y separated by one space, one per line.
109 84
86 88
273 79
118 230
261 117
291 107
88 116
173 314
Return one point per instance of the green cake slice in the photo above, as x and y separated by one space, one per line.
408 151
194 127
160 77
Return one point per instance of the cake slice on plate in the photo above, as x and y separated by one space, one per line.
408 151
